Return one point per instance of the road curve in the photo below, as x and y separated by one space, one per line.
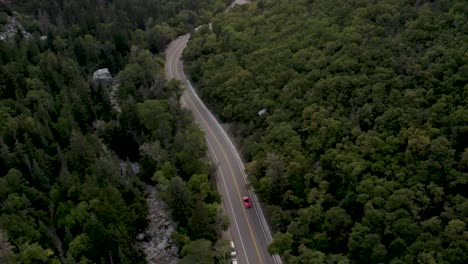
249 230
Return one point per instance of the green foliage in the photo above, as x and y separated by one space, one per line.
198 252
282 244
222 250
178 198
65 197
365 130
34 253
148 110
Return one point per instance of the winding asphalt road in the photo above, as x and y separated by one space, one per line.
249 230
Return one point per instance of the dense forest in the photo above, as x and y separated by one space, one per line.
365 123
64 195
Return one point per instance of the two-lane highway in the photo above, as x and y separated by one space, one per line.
248 226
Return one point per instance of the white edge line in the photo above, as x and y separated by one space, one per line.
261 217
230 202
217 161
265 228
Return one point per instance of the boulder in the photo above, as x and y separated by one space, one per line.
103 76
141 237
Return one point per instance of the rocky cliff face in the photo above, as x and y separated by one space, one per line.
10 29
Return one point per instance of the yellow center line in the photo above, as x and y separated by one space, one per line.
232 174
230 169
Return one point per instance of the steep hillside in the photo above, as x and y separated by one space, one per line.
64 195
366 126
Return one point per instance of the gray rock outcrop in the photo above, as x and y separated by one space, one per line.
11 28
156 240
102 75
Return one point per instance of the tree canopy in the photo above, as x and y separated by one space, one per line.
365 131
68 193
